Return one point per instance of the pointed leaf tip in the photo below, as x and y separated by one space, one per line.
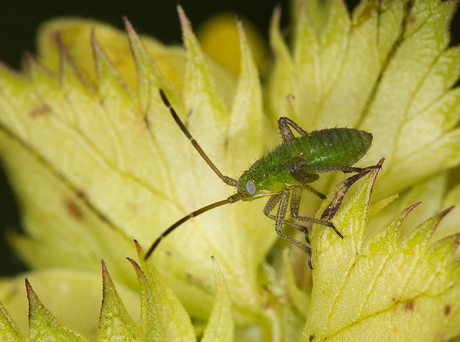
34 67
276 14
162 312
129 27
412 207
151 323
220 325
185 23
43 326
68 67
95 44
114 320
140 250
9 330
450 244
443 213
29 289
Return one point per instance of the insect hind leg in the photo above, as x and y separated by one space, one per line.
299 167
295 206
285 131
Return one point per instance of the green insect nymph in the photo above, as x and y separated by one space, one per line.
286 171
299 160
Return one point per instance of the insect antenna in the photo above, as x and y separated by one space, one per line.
225 179
231 199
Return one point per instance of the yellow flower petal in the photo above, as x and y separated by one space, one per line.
219 39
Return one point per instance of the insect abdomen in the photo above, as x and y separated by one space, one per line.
334 146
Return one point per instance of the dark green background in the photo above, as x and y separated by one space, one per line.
20 19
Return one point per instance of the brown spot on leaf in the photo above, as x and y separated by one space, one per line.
73 209
311 337
447 310
40 110
409 306
395 299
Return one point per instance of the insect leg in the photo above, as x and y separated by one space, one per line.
286 133
296 168
304 177
283 200
271 204
314 191
295 205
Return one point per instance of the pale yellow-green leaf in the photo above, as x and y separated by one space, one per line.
376 208
151 329
43 326
110 165
115 323
395 134
451 222
175 324
64 230
9 330
220 325
97 160
73 297
362 72
397 290
429 193
300 299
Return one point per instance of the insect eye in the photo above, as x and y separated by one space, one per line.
250 187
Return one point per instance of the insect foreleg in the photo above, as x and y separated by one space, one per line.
271 204
286 133
280 220
283 200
